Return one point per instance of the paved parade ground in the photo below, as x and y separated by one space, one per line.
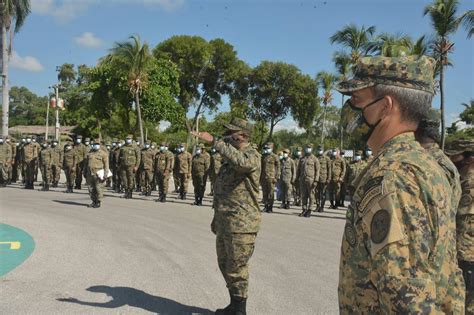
138 256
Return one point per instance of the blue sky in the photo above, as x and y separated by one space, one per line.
297 32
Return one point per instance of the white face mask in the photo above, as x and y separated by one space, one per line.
55 144
114 144
368 153
78 141
45 146
34 140
138 142
28 140
298 153
1 141
334 154
320 152
108 147
119 145
198 152
357 158
269 150
166 148
153 147
23 140
68 148
285 155
128 141
308 150
96 147
147 146
86 143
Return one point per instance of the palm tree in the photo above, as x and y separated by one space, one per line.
66 73
326 81
342 61
358 40
12 16
393 45
444 19
134 57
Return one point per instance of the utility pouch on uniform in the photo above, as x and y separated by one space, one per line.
468 273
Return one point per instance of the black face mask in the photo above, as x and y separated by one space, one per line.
358 123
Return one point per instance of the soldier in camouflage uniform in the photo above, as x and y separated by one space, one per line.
399 248
175 171
462 154
216 161
129 158
58 154
46 164
38 149
199 172
16 163
355 168
5 161
287 178
338 172
182 168
80 150
308 175
297 155
117 179
21 165
324 178
342 197
97 160
30 161
12 163
269 177
69 166
147 168
236 210
163 167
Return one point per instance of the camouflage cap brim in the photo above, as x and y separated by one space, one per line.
350 86
232 127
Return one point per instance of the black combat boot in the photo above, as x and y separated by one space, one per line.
228 310
307 213
302 212
264 208
184 196
196 201
163 198
92 205
96 204
126 194
240 305
270 209
130 194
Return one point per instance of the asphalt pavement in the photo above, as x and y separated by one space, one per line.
140 256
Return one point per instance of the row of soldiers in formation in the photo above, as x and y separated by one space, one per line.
299 174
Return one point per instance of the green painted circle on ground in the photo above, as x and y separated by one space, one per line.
15 247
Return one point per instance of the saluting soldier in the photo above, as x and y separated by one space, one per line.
97 169
129 161
200 168
183 164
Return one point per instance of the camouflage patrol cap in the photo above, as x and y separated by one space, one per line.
96 141
79 137
163 143
182 144
460 146
308 145
148 142
358 152
129 137
286 151
87 139
411 72
299 148
237 124
269 144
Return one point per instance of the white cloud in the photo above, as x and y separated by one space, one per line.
26 63
88 40
66 10
288 124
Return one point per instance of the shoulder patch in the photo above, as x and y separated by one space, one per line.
349 233
373 182
380 226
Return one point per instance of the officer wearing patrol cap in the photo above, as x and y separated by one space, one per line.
129 158
354 169
287 178
200 168
236 209
308 175
80 150
97 170
146 168
46 164
270 175
297 156
399 247
183 165
461 153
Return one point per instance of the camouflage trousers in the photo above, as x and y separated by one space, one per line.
163 182
96 188
307 194
199 183
335 192
176 181
268 191
46 174
30 168
128 177
296 193
212 179
183 181
9 172
116 179
286 189
70 176
146 180
233 255
56 173
469 301
321 189
79 173
3 173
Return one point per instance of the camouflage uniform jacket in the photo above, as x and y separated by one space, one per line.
308 169
5 153
81 152
95 161
183 163
236 208
270 167
164 162
147 159
354 170
288 170
29 152
465 218
69 159
58 154
338 168
129 156
13 145
216 161
200 164
324 169
46 157
398 249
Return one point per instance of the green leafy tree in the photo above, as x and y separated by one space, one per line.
27 108
13 14
326 81
445 21
66 74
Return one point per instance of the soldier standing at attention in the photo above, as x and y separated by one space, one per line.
324 178
308 174
338 170
97 164
69 166
183 170
12 163
38 149
147 166
30 160
297 155
117 179
46 164
342 195
5 161
287 178
462 154
355 168
129 158
399 246
200 168
269 177
80 150
163 166
58 155
15 161
236 210
216 161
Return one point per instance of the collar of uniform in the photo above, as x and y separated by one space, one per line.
401 138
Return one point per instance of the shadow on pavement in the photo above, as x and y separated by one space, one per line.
122 296
73 203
